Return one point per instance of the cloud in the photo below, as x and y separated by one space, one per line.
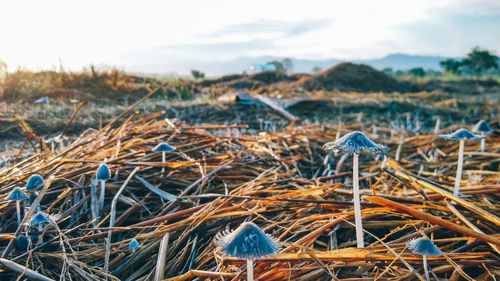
124 32
199 51
451 33
263 26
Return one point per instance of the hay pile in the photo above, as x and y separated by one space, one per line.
352 77
219 177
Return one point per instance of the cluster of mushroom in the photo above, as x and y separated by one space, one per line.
248 241
35 183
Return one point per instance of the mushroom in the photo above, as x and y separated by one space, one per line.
483 128
248 242
103 174
52 142
461 135
424 247
32 198
353 143
35 182
38 219
163 148
133 245
22 243
17 195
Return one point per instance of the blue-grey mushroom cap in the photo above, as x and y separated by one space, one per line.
35 182
22 243
462 134
248 242
103 172
424 247
482 127
17 194
39 218
163 147
355 142
133 244
32 198
51 141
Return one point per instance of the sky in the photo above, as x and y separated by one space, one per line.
139 34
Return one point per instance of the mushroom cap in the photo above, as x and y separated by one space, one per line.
163 147
17 194
133 244
35 182
461 134
482 127
355 142
50 141
22 243
42 100
248 241
423 246
32 198
39 218
103 172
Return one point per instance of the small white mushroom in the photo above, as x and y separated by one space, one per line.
353 143
248 242
461 135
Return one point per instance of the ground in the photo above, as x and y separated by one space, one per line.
242 155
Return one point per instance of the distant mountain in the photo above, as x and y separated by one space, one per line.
405 62
238 65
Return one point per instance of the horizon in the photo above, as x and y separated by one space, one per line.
158 37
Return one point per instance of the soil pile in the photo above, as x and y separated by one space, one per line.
263 78
352 77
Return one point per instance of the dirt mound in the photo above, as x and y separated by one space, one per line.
238 81
227 78
352 77
244 83
270 77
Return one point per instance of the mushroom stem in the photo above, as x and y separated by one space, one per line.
357 204
426 270
163 156
398 151
40 230
93 202
436 127
18 209
101 196
250 270
483 143
458 178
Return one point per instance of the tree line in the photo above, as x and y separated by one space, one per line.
477 62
